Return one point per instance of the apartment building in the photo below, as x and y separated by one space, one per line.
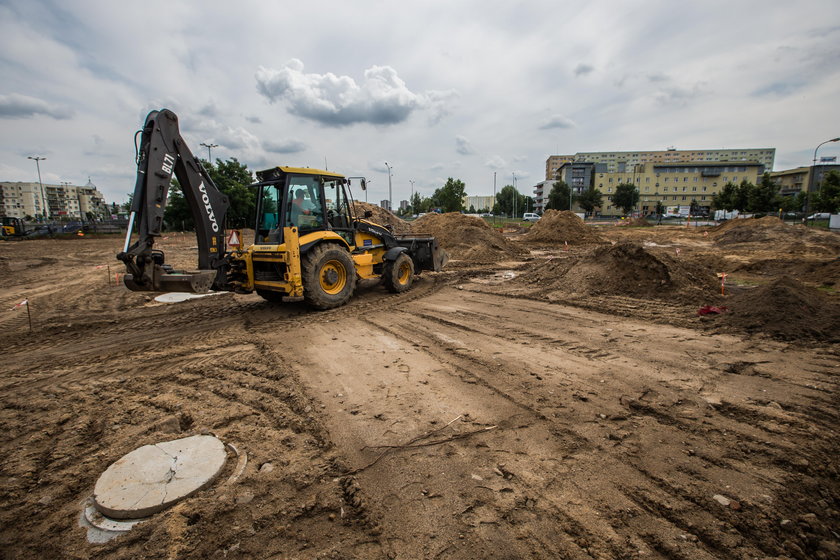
672 184
479 202
21 199
621 162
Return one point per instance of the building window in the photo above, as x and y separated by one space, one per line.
683 198
694 189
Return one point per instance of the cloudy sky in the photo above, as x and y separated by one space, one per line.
436 88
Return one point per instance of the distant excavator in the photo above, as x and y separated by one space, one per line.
309 243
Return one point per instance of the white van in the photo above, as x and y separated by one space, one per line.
531 217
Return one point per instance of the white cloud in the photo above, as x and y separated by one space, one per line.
15 106
463 146
558 121
583 69
382 98
284 146
496 162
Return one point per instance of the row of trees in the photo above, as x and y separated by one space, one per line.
744 197
765 197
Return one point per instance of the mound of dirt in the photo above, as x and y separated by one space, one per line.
785 309
771 229
562 227
467 238
382 216
625 269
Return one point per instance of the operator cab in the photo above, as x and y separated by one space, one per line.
309 199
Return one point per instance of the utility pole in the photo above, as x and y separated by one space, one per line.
390 203
515 193
411 197
209 146
494 198
38 159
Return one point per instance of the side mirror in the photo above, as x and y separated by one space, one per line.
363 183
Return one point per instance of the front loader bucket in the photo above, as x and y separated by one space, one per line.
424 250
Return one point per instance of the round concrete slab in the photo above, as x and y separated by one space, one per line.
154 477
176 297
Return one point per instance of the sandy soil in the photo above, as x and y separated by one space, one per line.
490 412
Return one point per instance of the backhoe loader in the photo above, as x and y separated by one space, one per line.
309 243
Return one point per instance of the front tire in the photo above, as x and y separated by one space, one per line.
329 277
398 275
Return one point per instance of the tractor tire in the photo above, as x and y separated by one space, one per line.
329 276
398 275
269 295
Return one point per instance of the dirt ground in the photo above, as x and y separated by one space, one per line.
543 406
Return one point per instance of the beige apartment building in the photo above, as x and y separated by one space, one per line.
672 184
20 200
621 162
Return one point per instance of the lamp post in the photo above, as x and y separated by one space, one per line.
814 167
390 204
43 197
209 146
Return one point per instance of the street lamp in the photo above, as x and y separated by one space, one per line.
43 197
814 167
209 146
390 204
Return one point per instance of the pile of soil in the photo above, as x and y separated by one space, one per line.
820 272
557 226
626 269
771 229
381 216
785 309
467 238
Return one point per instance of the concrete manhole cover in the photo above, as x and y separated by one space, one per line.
176 297
154 477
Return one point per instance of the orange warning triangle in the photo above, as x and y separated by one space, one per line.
233 238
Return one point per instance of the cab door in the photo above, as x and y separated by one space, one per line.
337 207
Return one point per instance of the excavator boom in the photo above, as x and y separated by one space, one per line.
162 154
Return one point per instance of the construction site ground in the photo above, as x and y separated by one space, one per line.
531 407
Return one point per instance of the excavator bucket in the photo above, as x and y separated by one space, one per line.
162 281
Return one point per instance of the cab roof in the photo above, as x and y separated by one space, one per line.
279 171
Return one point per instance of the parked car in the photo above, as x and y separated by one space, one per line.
820 216
531 217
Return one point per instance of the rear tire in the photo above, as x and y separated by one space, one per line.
329 276
398 275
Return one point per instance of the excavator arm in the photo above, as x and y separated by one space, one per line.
161 154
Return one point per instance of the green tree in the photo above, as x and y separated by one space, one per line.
233 178
177 213
590 199
694 208
764 197
559 197
659 208
828 197
742 195
626 197
726 199
508 200
450 197
800 201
